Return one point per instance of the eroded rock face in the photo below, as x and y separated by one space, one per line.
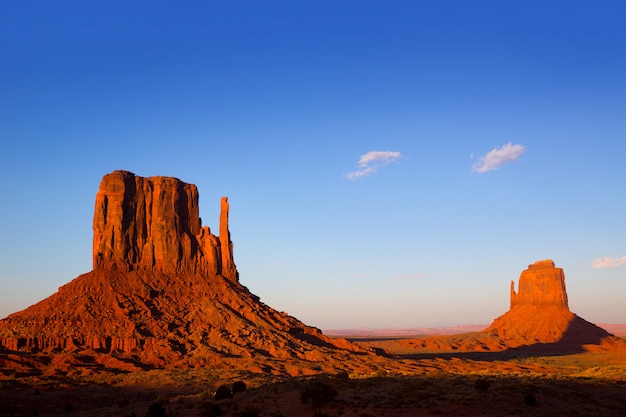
539 312
154 224
164 292
542 284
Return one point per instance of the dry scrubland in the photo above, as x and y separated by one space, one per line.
586 384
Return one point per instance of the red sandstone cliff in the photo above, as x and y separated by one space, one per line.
154 224
164 291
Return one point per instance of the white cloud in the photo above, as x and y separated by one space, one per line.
497 157
608 262
371 161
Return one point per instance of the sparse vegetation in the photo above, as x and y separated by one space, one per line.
530 400
317 393
238 386
588 384
342 375
482 385
223 392
210 409
248 412
156 410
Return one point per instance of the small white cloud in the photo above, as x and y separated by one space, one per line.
497 157
608 262
414 276
371 161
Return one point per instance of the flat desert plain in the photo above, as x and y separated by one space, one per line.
403 384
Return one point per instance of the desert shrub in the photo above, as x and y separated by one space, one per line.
223 392
210 409
156 410
162 399
239 386
482 385
530 400
318 394
342 375
248 412
123 401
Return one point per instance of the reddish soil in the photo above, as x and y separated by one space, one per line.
585 384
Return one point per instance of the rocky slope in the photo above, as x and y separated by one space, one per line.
164 292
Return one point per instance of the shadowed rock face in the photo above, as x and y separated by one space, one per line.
154 224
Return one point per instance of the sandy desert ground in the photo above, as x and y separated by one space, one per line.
452 384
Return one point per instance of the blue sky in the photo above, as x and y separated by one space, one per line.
388 164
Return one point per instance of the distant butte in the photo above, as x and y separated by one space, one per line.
539 319
164 292
540 315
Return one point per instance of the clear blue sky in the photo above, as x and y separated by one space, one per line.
498 132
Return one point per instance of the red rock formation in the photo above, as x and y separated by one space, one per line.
539 313
163 290
154 224
540 285
539 320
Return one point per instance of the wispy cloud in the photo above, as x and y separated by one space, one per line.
498 156
371 161
414 276
608 262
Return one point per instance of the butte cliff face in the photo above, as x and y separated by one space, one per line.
541 285
539 320
540 315
164 291
153 224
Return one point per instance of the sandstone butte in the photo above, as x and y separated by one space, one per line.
164 292
539 319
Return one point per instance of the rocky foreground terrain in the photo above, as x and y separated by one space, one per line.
162 326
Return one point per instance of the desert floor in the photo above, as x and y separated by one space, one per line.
463 384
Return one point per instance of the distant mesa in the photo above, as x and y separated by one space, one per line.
164 291
539 319
540 314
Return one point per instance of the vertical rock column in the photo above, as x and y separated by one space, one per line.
228 265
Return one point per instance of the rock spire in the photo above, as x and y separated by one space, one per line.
153 224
